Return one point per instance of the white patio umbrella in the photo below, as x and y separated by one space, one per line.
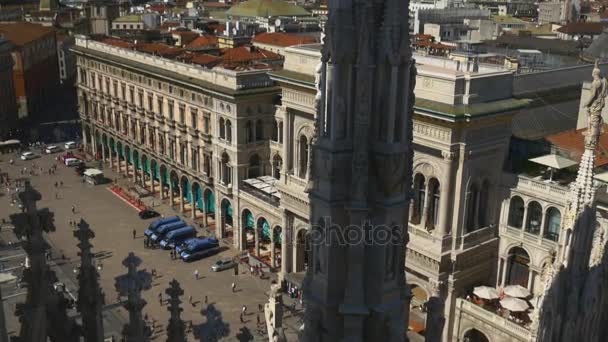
514 304
553 161
516 291
485 292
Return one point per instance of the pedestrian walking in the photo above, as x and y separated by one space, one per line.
134 233
206 300
196 274
241 318
244 310
73 209
190 299
61 183
260 307
160 298
233 287
55 184
56 196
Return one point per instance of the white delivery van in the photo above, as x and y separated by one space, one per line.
51 149
70 145
72 161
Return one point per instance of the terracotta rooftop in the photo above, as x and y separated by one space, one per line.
283 39
117 42
583 28
573 142
159 49
244 54
22 33
202 41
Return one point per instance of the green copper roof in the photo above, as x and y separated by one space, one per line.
134 18
48 5
266 8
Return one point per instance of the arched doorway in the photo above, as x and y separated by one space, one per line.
262 237
518 267
129 159
173 187
475 335
247 230
197 200
302 248
209 202
185 194
164 181
226 218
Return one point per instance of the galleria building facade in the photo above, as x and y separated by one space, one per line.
232 148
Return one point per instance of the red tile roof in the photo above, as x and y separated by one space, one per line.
573 142
283 39
583 28
117 42
202 41
245 54
22 33
159 49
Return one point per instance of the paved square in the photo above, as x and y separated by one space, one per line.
113 221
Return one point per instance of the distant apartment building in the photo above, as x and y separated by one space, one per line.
277 41
65 58
101 15
8 104
550 12
35 72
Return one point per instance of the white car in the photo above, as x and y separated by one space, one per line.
70 145
27 155
51 149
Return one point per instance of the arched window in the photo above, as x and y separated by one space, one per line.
277 164
419 195
472 203
516 212
303 154
553 222
433 214
248 132
222 128
535 216
475 335
519 267
226 169
259 130
484 199
228 131
254 166
275 131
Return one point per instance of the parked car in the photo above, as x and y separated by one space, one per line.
72 162
52 149
148 213
27 155
70 145
221 265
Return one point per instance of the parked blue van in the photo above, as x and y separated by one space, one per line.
200 249
177 236
164 229
154 225
180 247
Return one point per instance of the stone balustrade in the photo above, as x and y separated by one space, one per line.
482 317
541 187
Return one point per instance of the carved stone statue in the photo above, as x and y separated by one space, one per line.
595 104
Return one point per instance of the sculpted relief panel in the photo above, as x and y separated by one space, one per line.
433 132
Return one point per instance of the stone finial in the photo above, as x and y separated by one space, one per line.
176 327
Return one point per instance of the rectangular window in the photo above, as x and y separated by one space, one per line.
140 98
182 115
193 118
123 91
160 103
131 95
206 121
171 106
150 102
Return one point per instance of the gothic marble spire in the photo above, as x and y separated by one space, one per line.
361 171
176 327
90 296
32 313
131 285
573 303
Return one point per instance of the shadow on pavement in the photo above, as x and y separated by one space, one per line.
244 335
214 328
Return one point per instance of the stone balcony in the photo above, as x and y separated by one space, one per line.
536 186
498 329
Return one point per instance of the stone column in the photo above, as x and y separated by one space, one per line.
181 198
205 222
152 187
530 280
523 221
445 195
284 245
257 239
425 208
273 264
193 203
542 226
85 140
103 153
134 168
505 265
110 157
171 193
